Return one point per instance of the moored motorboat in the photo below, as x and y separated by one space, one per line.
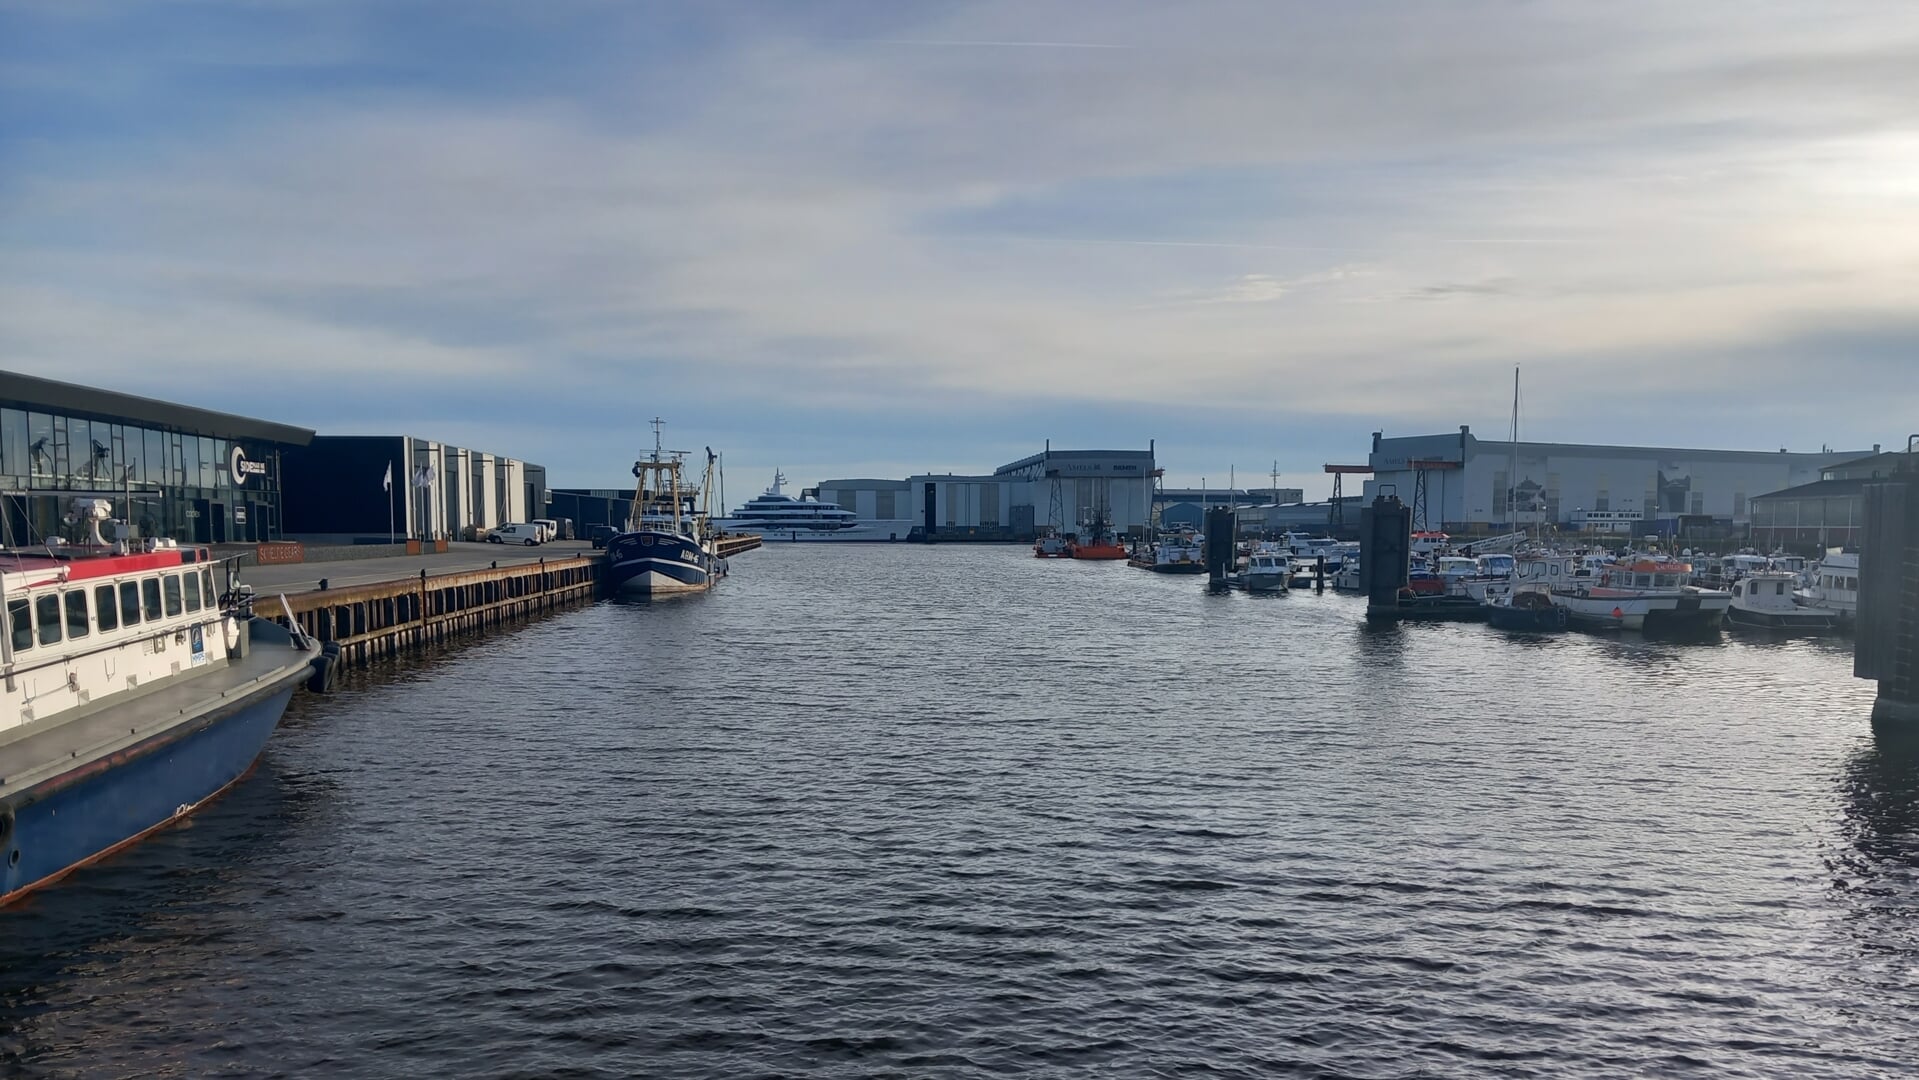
1762 600
1267 571
1646 592
1834 587
1180 552
1525 609
137 690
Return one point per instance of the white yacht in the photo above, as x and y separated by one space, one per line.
1834 588
776 515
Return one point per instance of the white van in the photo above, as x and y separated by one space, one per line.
516 533
549 529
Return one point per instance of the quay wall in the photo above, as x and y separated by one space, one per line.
385 618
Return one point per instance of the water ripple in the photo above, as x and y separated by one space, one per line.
957 812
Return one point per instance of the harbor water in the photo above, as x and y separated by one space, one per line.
876 810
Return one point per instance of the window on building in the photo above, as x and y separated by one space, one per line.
104 609
171 585
150 598
46 613
130 603
883 505
79 622
20 624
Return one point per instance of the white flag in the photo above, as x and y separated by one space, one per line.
388 483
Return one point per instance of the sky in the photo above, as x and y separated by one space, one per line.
861 238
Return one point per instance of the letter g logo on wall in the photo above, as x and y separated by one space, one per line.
241 468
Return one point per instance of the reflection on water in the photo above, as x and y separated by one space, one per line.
961 812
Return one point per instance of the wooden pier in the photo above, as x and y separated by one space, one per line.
727 545
381 619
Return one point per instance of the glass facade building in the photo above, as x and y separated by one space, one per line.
168 470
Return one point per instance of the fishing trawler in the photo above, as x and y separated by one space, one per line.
138 687
668 545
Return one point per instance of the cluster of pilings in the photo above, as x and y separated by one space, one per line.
1887 647
382 619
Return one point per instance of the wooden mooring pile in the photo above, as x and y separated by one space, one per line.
381 619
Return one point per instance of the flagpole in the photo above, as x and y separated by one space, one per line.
390 534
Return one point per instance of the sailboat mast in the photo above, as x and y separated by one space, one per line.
1512 489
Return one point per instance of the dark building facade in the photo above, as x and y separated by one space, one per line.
338 490
194 475
1830 512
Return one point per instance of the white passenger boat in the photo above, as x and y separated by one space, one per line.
138 687
1763 600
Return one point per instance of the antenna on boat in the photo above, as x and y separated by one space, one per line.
657 425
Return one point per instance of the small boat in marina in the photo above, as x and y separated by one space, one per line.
138 688
1525 609
1267 571
1051 545
1763 600
1645 592
1834 587
1180 552
1348 579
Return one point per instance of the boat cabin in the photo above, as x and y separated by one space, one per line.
85 623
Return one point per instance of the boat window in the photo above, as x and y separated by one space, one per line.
20 619
193 591
1779 588
46 612
171 583
206 588
130 603
150 598
1739 588
103 605
79 624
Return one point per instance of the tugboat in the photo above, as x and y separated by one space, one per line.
137 689
667 546
1762 600
1052 545
1097 542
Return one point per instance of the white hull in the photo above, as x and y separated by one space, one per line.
821 536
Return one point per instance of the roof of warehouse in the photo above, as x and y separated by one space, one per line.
53 396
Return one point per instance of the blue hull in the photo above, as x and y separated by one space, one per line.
108 803
652 561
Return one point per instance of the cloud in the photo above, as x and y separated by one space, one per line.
880 214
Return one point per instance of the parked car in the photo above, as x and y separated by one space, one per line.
600 534
517 533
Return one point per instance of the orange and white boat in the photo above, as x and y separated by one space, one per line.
1641 592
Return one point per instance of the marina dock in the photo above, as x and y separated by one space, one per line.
377 607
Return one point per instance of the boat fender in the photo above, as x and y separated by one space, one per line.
326 669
